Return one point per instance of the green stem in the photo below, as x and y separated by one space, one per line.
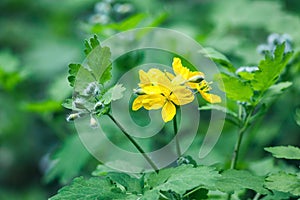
176 137
139 148
256 197
241 132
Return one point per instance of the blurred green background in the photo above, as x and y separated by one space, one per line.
38 39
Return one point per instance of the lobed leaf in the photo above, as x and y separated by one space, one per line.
284 182
234 88
90 189
287 152
65 167
183 178
233 180
270 68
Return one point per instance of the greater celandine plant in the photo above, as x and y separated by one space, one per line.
251 89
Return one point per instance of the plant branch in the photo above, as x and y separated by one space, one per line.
176 137
139 148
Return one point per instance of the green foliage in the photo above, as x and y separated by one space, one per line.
234 180
218 57
270 68
73 70
284 182
91 189
113 94
287 152
235 88
65 168
183 178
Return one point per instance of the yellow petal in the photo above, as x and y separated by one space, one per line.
181 96
211 98
168 111
144 79
153 102
137 103
179 69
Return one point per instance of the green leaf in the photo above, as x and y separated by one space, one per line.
233 180
218 57
131 184
73 70
66 167
274 91
246 75
43 106
287 152
230 115
284 182
91 189
234 88
113 94
91 44
183 178
270 68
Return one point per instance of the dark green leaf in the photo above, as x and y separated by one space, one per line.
284 182
91 44
91 189
73 70
65 167
233 180
287 152
131 184
183 178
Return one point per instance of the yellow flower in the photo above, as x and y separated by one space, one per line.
195 80
159 91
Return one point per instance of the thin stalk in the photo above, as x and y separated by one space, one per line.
137 146
176 137
241 132
256 197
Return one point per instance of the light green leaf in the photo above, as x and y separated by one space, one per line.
42 106
233 180
99 63
284 182
287 152
218 57
270 68
66 167
184 178
234 88
91 189
246 75
274 91
113 94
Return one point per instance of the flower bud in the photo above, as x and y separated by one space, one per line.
73 116
139 91
98 105
196 79
93 122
